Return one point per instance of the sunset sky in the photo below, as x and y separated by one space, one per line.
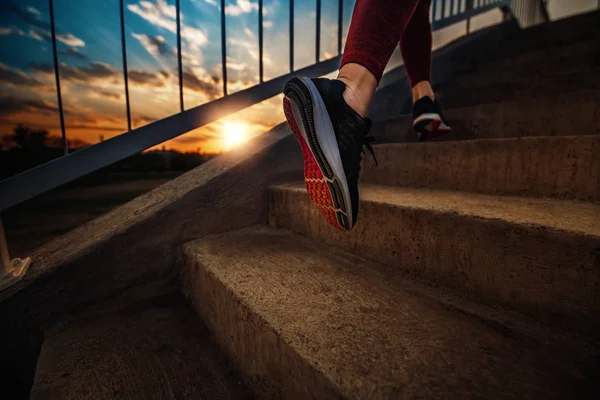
91 64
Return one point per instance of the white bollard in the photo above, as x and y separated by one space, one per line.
11 271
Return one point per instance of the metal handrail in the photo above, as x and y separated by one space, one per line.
71 166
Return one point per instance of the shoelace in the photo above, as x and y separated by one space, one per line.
367 143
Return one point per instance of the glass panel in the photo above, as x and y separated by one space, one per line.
347 18
150 32
242 44
329 29
91 70
29 122
201 51
304 33
276 37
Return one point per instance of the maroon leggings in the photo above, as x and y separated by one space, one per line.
378 25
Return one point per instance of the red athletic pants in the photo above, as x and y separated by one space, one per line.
378 25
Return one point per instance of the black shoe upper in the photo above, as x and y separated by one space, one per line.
351 131
426 105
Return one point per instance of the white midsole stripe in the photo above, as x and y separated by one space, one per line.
431 116
328 143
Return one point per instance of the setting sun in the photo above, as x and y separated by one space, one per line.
234 134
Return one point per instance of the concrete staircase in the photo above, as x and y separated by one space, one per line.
474 269
473 272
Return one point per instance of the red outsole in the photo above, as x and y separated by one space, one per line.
316 184
435 127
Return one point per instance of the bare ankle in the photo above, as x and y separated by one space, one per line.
422 89
360 87
353 98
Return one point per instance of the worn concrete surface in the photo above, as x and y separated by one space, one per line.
561 166
136 248
539 257
565 31
564 114
460 57
305 320
454 96
505 64
156 349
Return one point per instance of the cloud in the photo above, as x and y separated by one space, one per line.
96 70
163 15
236 66
5 31
33 11
11 105
74 53
144 78
155 45
212 2
188 139
33 34
70 40
107 94
267 24
241 7
158 13
192 82
39 29
195 37
17 78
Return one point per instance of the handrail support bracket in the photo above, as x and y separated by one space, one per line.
11 271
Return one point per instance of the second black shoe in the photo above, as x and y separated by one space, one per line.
428 119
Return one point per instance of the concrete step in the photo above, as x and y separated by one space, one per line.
303 320
158 350
558 33
477 88
539 257
563 114
566 167
481 89
556 58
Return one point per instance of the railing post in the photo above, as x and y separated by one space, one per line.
179 63
125 73
291 36
260 42
57 78
224 47
13 271
318 33
469 7
340 24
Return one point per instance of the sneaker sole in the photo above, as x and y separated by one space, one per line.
430 126
323 171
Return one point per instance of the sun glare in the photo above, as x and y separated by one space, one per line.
234 134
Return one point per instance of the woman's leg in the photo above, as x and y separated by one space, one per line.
375 30
328 116
415 45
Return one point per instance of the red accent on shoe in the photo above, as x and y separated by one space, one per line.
316 184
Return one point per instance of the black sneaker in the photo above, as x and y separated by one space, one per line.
428 119
332 136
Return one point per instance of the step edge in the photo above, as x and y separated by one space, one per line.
297 188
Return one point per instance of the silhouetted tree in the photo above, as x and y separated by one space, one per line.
29 139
